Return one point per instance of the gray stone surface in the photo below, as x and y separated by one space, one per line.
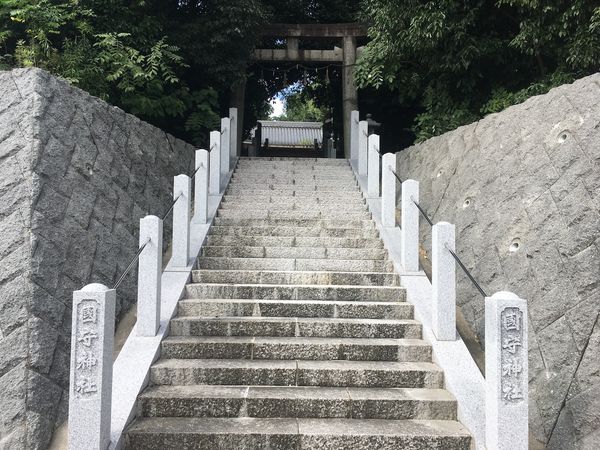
76 175
530 176
285 434
289 322
90 389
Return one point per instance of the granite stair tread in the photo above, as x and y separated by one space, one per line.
297 433
294 308
297 401
298 326
294 331
335 373
296 348
295 277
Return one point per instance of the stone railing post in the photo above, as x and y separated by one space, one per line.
410 226
354 119
215 163
226 157
506 372
182 190
443 282
201 187
373 166
363 129
92 337
388 190
234 124
149 274
331 150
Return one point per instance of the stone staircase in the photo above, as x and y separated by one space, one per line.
294 332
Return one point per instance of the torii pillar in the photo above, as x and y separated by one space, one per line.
237 100
346 32
349 91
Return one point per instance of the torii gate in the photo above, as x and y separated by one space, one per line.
347 55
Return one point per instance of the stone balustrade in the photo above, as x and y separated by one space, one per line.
93 320
506 343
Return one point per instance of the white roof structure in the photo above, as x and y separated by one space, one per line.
291 134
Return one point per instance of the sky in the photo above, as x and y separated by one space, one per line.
278 106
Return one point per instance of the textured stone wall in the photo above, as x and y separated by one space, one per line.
530 175
76 175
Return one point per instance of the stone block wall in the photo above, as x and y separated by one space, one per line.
523 188
76 175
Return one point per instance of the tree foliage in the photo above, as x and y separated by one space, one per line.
429 65
169 62
457 60
300 104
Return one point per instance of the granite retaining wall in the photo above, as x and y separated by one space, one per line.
76 175
523 188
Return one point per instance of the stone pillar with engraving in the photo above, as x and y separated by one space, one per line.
388 190
363 135
226 156
410 225
215 163
506 372
373 166
236 119
354 119
92 345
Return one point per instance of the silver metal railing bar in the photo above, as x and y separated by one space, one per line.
422 212
131 263
466 271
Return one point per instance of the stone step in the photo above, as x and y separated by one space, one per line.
296 292
292 241
294 308
263 195
302 207
322 223
348 206
266 159
295 252
294 178
187 433
293 167
296 215
285 189
258 161
289 264
332 200
294 172
290 230
309 184
297 402
296 184
384 374
295 277
295 348
295 327
274 176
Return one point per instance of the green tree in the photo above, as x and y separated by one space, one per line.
454 61
300 105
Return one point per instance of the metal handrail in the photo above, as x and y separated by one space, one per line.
133 260
139 252
196 171
466 271
454 255
172 206
422 211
